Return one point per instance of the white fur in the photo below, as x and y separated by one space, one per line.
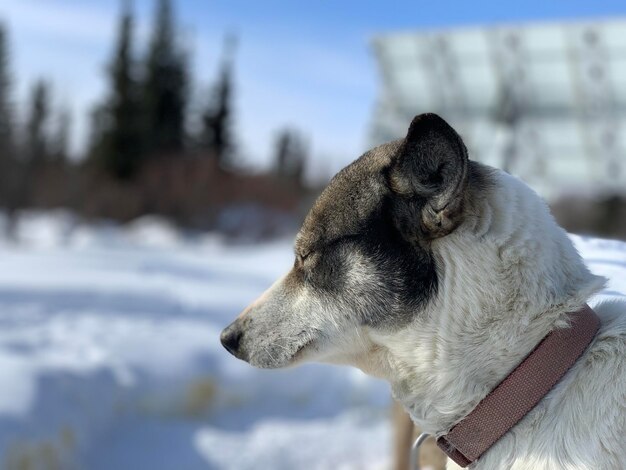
510 274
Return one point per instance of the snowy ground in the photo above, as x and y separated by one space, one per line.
110 357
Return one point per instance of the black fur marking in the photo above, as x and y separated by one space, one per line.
387 207
407 271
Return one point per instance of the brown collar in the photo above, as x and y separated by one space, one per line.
521 390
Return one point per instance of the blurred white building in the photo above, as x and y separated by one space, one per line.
546 102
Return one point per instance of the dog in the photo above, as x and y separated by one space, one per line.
439 274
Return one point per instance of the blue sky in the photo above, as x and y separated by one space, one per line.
304 64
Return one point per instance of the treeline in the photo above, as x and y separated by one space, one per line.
149 150
41 142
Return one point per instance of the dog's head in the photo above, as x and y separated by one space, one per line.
362 257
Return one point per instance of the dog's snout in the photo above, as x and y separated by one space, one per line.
231 338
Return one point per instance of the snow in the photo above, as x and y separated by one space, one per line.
110 356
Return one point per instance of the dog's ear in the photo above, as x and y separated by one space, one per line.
428 179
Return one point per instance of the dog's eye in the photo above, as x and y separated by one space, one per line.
301 257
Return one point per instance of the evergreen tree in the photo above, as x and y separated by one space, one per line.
7 148
119 131
60 139
6 109
37 137
165 87
216 135
97 130
290 157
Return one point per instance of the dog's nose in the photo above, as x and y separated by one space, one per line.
231 337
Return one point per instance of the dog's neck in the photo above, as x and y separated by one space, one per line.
507 277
